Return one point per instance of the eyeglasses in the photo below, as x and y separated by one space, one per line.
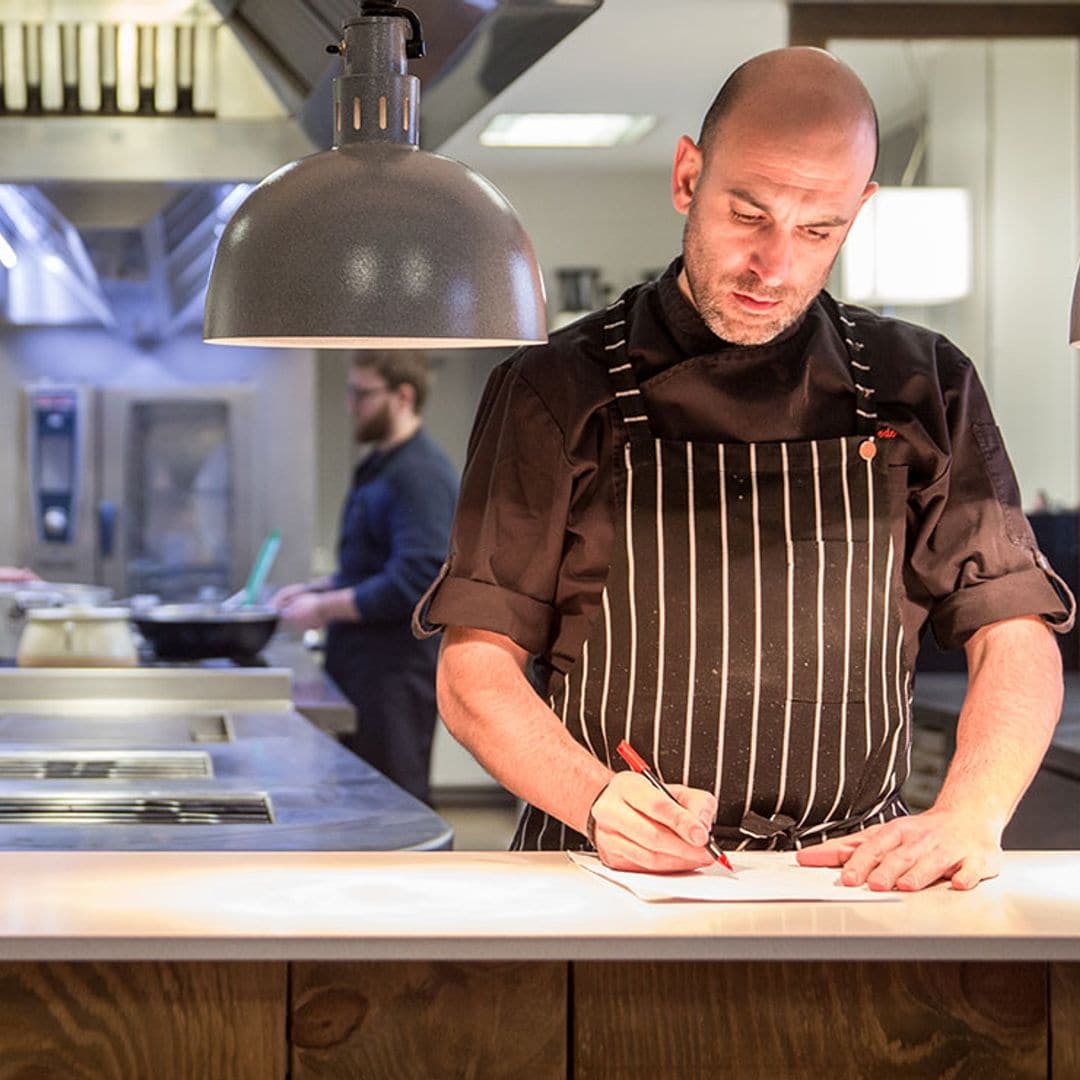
357 393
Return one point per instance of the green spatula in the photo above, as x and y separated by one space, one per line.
261 568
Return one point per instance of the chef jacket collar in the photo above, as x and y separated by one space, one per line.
689 330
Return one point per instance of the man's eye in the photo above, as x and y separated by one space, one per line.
749 219
817 234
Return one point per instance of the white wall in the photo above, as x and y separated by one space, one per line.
1004 122
622 223
1033 246
958 155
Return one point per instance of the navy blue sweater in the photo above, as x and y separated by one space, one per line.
395 528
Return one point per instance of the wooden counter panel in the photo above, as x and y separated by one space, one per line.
400 1021
169 1021
770 1020
1065 1019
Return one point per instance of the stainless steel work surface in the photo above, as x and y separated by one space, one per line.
273 781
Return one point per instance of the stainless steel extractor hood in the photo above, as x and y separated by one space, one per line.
134 118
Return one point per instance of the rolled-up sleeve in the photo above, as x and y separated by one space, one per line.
506 546
973 556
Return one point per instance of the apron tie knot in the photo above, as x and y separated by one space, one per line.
754 826
765 828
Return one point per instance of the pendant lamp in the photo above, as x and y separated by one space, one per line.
1074 322
375 243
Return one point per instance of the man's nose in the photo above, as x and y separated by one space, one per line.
772 255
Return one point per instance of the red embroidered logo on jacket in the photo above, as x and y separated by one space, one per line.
886 433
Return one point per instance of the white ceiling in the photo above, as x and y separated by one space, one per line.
668 58
665 57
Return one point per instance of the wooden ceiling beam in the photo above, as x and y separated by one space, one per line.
817 23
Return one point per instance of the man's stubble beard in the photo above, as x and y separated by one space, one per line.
712 297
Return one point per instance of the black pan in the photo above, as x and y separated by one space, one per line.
202 631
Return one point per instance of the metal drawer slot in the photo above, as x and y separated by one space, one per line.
117 730
136 810
210 728
104 765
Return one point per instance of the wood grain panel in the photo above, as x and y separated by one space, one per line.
168 1021
788 1020
402 1021
817 23
1065 1021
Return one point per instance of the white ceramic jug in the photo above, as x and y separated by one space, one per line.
77 637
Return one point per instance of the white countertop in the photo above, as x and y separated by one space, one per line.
492 906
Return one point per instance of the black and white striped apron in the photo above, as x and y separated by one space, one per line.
749 640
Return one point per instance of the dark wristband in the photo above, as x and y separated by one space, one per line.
590 821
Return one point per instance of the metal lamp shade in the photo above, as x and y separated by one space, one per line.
1074 322
375 246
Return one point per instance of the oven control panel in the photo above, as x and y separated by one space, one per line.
53 430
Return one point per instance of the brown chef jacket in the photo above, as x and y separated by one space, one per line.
533 533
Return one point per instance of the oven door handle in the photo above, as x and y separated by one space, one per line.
107 512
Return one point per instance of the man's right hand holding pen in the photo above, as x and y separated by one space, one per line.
636 827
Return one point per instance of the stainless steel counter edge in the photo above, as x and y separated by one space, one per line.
76 691
493 906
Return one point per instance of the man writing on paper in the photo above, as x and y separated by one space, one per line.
718 516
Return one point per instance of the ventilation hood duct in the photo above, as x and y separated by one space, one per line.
136 118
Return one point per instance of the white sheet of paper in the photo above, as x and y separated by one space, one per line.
755 880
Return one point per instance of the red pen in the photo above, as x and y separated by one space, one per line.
637 763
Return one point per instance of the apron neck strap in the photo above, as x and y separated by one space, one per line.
862 374
628 399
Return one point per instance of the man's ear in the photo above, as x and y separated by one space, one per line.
685 173
864 198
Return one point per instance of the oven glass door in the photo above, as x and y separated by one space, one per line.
177 468
179 525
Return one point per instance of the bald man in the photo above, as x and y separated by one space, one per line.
714 520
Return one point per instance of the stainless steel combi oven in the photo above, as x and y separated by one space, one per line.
146 490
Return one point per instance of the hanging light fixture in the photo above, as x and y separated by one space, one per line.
375 243
1074 322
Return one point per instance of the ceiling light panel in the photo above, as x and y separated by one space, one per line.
566 129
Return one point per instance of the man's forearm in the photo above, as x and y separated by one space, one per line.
489 707
1012 705
337 605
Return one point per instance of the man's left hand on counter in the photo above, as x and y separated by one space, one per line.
313 610
912 853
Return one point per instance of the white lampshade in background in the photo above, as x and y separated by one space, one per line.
909 245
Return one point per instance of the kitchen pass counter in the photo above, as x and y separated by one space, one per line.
505 966
493 906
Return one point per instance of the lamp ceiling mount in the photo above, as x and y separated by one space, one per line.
414 46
